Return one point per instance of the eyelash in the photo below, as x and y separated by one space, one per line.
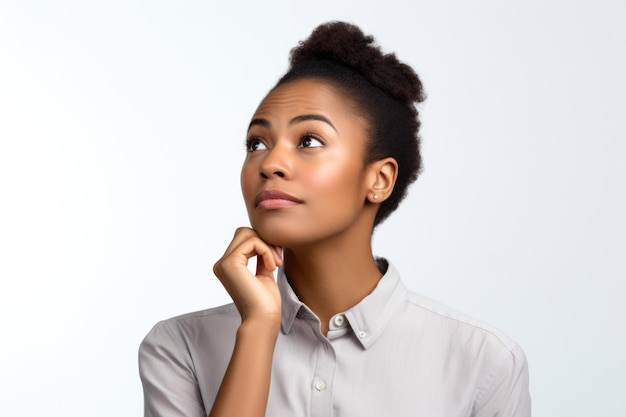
250 141
311 136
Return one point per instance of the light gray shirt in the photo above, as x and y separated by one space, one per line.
394 354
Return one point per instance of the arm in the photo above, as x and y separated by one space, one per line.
166 367
245 387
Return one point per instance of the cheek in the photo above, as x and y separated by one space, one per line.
247 181
341 179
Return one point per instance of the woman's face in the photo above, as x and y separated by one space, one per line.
304 179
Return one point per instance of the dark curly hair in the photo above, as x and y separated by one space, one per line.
381 88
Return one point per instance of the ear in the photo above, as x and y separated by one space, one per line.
382 176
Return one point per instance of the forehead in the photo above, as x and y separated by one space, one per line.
307 96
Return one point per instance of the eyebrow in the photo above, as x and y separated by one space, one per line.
297 119
259 122
317 117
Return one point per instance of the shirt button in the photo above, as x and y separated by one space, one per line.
320 385
339 321
362 334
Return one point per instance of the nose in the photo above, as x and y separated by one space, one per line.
276 163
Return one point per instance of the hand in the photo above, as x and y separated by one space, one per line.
256 296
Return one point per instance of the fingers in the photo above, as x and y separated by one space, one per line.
241 235
266 256
278 254
269 261
254 295
245 233
245 244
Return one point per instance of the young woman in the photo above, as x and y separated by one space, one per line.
331 151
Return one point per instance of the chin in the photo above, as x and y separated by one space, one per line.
282 234
275 236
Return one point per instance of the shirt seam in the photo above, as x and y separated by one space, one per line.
225 308
485 385
181 342
508 344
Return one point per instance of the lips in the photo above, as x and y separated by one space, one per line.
273 199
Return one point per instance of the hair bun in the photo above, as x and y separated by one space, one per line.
347 45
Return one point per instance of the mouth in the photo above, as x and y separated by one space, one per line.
273 199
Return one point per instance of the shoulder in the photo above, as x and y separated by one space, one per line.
449 319
499 368
178 352
461 335
424 319
181 331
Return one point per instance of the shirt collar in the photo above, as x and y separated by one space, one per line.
367 319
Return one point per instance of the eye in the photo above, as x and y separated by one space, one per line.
255 144
310 141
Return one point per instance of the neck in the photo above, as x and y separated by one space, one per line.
333 276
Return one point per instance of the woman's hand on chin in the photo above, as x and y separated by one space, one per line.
256 296
245 387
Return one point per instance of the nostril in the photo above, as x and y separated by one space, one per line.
280 174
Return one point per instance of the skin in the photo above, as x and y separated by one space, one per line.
303 141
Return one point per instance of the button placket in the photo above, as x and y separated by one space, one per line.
321 385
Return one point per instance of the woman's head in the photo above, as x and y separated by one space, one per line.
334 145
377 86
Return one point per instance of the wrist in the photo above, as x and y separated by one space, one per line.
260 327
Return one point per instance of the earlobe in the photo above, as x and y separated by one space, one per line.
383 178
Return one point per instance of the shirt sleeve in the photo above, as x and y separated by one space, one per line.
169 382
504 392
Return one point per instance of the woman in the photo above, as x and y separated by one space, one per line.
331 151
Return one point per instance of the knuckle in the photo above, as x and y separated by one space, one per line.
217 270
242 231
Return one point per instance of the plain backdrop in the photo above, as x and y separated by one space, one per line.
122 126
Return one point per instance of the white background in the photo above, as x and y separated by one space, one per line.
122 126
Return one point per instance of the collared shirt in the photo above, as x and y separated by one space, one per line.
396 354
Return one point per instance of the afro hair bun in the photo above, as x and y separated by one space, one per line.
346 44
